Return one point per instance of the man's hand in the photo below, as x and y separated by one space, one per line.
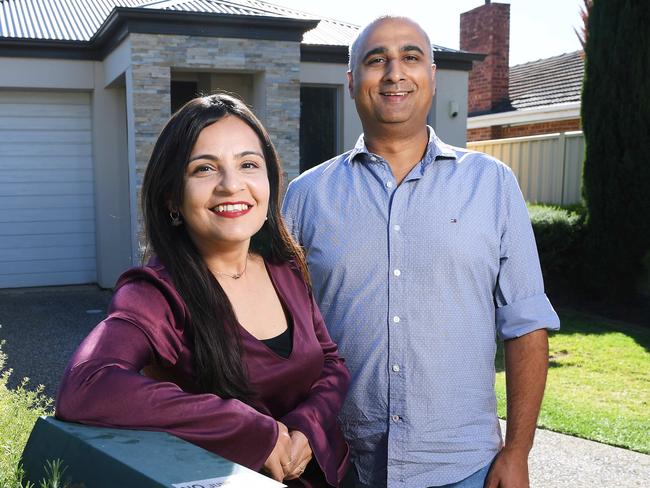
280 458
300 455
509 470
526 366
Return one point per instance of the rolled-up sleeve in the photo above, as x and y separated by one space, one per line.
522 305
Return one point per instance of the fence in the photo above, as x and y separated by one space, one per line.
548 167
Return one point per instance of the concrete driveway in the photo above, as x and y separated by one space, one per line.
43 326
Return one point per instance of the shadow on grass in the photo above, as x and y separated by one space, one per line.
574 322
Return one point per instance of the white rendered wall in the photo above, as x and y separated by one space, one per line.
55 74
451 88
113 205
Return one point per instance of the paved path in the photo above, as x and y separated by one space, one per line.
43 326
562 461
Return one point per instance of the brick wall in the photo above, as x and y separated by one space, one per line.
486 29
523 130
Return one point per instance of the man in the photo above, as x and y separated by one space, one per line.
420 254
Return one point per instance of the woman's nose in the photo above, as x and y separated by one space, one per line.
230 181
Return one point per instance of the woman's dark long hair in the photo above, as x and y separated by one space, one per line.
217 345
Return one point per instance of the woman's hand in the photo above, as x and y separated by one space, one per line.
300 455
279 461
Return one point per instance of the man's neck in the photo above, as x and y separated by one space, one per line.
401 151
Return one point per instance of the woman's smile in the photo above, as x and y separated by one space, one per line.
226 191
232 210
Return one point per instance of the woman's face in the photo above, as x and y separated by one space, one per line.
226 186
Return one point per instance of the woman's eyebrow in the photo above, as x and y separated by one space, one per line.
249 152
213 157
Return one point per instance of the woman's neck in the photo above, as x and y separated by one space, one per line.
227 261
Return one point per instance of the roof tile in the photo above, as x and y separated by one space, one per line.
549 81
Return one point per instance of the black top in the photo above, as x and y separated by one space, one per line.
280 344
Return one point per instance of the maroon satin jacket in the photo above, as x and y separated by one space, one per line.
148 324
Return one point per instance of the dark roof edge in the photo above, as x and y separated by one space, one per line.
18 47
123 21
320 53
459 60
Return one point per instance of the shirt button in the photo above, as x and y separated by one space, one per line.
396 228
396 319
395 418
389 184
397 272
396 368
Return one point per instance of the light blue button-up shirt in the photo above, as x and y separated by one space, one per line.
415 282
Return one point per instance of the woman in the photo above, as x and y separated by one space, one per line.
217 339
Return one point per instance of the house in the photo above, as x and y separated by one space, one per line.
528 115
86 86
538 97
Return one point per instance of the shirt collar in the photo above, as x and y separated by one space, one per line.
436 149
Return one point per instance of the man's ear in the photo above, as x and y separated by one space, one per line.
433 74
350 85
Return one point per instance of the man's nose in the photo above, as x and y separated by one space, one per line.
394 72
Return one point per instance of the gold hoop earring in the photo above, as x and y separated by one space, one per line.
175 217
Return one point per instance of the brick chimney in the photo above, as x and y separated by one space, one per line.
486 29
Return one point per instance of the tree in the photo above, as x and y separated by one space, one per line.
616 125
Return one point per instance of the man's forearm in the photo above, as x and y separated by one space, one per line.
526 368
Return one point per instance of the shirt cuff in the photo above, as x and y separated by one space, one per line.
524 316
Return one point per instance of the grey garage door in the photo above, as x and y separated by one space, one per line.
47 223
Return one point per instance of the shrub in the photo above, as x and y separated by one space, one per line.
19 409
560 233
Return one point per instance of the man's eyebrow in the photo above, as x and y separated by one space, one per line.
372 52
411 47
383 50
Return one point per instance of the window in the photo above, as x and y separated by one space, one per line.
319 124
182 92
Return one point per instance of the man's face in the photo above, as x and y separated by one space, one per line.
393 81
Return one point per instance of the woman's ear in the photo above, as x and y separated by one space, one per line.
175 216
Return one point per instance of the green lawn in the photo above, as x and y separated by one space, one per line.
598 382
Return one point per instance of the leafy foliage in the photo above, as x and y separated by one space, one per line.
19 409
560 234
616 180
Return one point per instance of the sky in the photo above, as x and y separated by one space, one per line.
538 28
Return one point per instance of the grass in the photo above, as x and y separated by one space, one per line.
19 409
598 383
